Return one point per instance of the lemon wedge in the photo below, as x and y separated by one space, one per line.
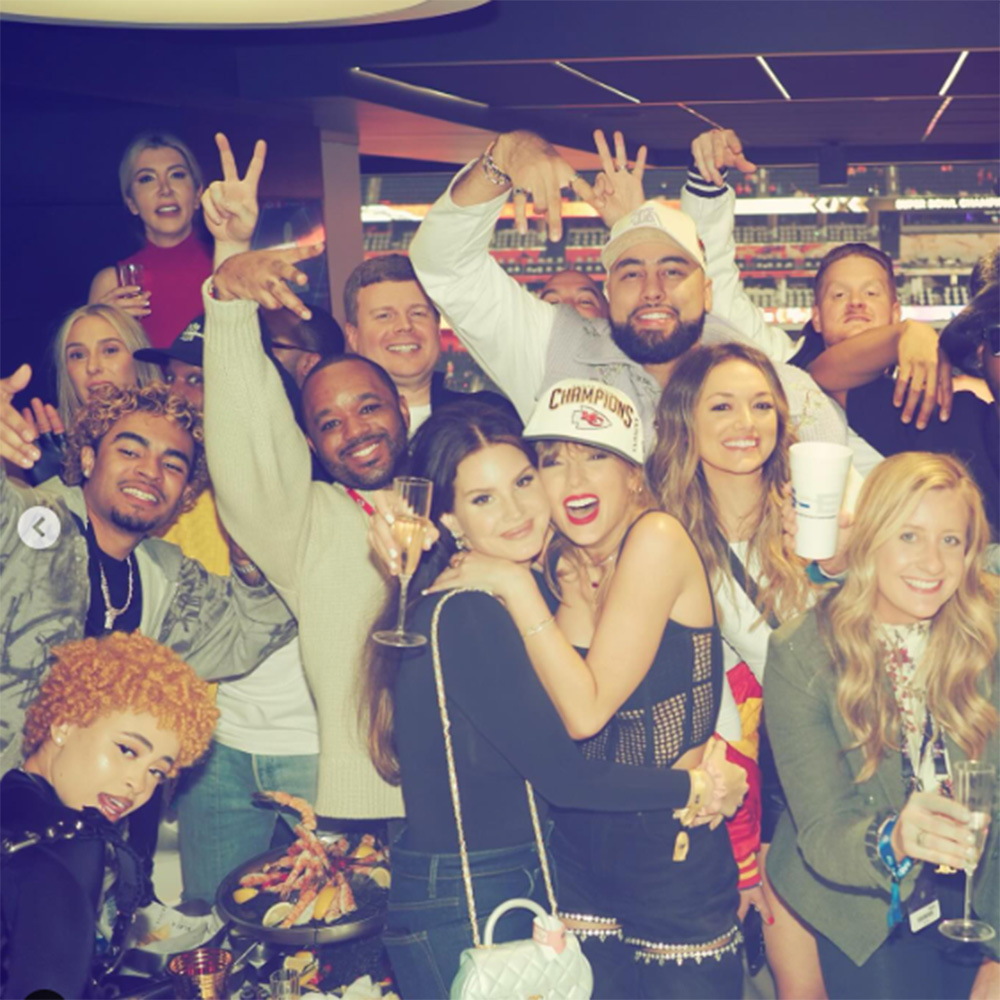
277 913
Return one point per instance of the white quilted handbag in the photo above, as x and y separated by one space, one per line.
548 966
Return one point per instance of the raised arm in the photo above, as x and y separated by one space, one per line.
229 206
503 325
711 203
259 458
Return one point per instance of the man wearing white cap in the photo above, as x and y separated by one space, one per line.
659 294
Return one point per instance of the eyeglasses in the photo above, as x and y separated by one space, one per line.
280 345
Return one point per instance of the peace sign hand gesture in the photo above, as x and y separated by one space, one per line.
230 205
617 188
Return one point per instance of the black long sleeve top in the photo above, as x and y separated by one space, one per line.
504 729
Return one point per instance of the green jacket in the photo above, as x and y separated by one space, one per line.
218 625
818 861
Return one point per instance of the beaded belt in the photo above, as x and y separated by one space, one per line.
594 926
655 951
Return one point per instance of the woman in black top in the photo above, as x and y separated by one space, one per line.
114 717
656 902
488 499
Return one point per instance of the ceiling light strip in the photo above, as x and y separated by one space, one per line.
357 70
954 72
937 116
597 83
698 114
774 79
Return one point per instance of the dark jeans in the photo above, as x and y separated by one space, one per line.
428 922
907 966
621 866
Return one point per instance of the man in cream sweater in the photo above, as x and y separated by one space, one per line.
309 538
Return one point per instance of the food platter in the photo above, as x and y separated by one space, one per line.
368 895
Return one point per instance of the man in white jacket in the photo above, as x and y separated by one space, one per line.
660 288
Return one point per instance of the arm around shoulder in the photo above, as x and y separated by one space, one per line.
488 676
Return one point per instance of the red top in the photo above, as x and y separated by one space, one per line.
173 276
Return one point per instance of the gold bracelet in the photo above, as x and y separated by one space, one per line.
535 629
700 791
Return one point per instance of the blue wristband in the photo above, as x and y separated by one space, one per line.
897 869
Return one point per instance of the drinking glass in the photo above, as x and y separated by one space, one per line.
130 274
411 509
973 787
201 974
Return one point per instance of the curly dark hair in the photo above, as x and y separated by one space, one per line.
122 672
109 404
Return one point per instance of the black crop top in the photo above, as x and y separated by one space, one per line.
675 706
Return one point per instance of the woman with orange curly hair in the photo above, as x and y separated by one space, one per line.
114 718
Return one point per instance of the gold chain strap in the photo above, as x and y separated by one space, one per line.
453 781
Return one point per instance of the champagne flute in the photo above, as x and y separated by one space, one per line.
411 509
973 787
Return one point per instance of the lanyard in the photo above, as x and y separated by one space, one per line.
911 780
360 500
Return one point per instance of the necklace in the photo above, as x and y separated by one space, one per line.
600 566
110 611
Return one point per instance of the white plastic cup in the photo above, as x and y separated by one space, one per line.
819 477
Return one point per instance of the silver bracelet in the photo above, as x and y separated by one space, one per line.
244 570
535 629
493 173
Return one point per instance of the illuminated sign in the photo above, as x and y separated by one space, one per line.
966 202
831 205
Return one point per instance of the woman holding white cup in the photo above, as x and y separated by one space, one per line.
721 466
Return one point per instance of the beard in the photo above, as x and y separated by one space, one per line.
654 348
134 524
376 477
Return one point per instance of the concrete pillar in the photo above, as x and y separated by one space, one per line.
341 211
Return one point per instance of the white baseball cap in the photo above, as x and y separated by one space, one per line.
653 221
588 412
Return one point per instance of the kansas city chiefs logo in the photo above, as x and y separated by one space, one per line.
586 418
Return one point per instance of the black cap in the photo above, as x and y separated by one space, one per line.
188 346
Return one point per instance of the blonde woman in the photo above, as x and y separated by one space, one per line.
720 466
162 186
872 697
93 347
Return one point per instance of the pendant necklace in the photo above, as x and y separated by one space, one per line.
110 611
599 566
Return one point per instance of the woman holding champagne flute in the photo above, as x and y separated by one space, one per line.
876 701
488 499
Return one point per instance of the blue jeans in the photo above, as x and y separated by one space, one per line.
428 922
220 827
